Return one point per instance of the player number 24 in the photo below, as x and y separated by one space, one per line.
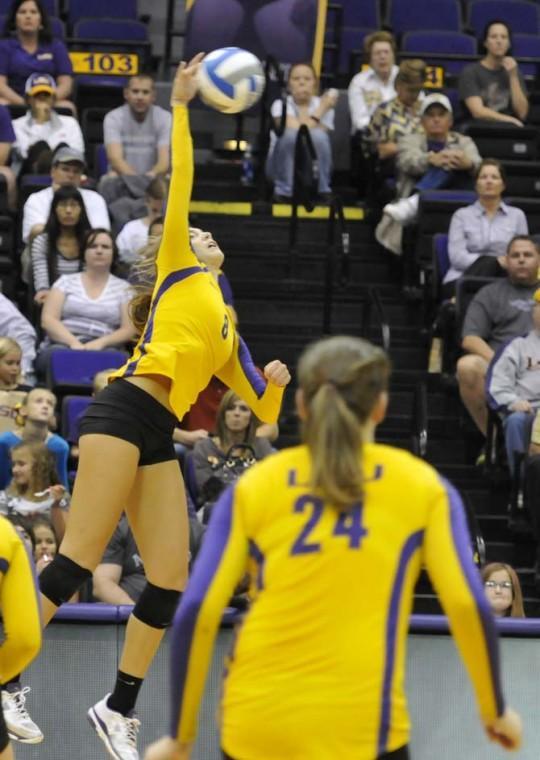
348 525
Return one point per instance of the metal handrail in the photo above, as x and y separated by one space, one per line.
335 213
371 303
420 421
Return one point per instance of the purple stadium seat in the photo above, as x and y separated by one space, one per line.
78 9
364 13
424 43
72 409
441 259
73 371
526 46
406 16
111 29
520 15
352 38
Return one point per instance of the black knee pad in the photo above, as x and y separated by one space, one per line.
61 579
156 606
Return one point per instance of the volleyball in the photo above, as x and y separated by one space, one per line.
231 79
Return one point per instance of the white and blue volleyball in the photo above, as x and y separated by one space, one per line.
231 79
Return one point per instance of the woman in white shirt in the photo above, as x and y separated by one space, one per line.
88 310
303 107
375 84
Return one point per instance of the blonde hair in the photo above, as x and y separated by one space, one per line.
341 379
43 472
7 345
516 609
411 72
101 379
143 276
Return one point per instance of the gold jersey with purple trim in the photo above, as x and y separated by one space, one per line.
190 335
19 604
318 666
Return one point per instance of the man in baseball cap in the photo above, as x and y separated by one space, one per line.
41 130
433 159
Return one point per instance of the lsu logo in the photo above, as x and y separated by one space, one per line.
225 328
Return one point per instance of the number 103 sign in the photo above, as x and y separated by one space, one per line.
119 64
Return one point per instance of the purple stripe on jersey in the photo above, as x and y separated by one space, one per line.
168 282
258 556
463 546
185 619
411 545
4 564
255 380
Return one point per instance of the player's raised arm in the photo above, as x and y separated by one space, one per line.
175 251
448 556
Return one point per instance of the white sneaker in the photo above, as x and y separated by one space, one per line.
403 211
118 733
20 726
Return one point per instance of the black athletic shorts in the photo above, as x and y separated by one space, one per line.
398 754
125 411
4 736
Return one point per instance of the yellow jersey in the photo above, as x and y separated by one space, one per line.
19 604
318 667
190 335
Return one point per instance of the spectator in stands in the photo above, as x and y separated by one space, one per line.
375 85
220 459
13 325
499 312
67 168
12 390
134 235
303 107
29 48
513 387
436 158
137 140
58 250
89 309
36 414
479 234
493 89
35 487
503 590
120 578
7 139
400 116
41 130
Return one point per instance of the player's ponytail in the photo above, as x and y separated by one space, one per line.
143 277
341 379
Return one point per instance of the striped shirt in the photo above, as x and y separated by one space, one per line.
39 251
88 318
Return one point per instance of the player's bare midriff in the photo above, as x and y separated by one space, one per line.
158 386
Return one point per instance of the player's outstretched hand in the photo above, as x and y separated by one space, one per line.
277 373
167 749
185 83
506 730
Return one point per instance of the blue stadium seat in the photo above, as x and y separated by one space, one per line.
520 15
73 371
111 29
124 9
72 410
352 38
441 260
364 13
424 43
526 46
406 16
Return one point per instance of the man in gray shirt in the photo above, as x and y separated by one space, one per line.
499 312
137 141
513 386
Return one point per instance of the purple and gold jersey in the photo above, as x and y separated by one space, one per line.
189 335
318 665
19 605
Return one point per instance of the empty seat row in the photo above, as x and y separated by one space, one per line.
79 9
